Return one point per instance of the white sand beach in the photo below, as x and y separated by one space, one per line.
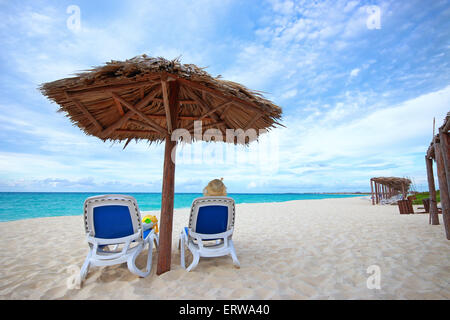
308 249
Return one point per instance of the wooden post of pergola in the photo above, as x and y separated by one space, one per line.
376 193
382 191
371 192
434 218
445 151
380 187
442 179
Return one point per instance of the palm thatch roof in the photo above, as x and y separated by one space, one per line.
125 100
395 183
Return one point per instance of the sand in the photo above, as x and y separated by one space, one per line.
309 249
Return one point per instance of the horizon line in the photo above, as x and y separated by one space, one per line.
154 192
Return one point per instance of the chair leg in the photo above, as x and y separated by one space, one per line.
194 262
181 247
85 268
132 261
155 240
233 254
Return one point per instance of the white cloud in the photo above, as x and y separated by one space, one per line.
289 94
252 185
355 72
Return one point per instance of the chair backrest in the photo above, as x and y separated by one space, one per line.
212 215
112 216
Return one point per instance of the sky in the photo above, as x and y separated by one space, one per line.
359 83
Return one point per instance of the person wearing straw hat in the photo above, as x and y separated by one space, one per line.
215 188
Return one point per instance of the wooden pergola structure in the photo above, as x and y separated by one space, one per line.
387 187
147 98
439 151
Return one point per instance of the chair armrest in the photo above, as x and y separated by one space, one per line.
147 226
102 241
202 236
96 242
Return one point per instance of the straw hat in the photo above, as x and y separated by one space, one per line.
215 188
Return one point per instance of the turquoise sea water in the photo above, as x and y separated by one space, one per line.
25 205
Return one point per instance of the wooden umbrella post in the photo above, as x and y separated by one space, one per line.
168 193
168 187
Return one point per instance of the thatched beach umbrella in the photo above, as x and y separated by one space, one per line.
148 98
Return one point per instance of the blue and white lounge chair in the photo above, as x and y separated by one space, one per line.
115 220
211 220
